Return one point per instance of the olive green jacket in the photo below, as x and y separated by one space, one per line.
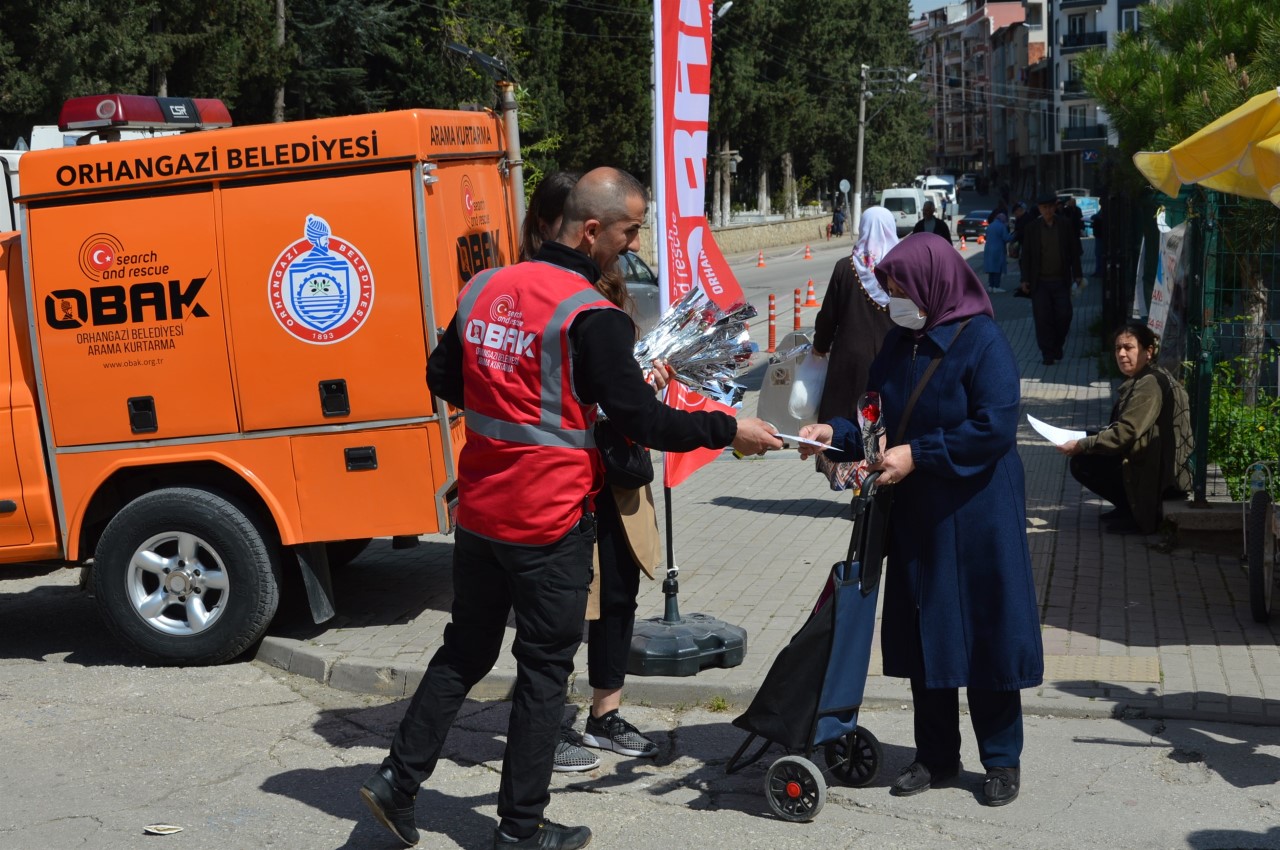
1151 430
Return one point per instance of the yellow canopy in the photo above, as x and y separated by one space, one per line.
1239 154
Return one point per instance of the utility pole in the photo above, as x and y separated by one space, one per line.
855 221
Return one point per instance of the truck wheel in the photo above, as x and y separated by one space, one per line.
185 576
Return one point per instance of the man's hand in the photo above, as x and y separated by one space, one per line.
1025 287
755 437
820 432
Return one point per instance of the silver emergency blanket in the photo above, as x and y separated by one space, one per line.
706 346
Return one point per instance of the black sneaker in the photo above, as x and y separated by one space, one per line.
392 807
1001 786
611 732
548 836
915 778
571 758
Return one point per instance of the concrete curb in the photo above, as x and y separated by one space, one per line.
370 676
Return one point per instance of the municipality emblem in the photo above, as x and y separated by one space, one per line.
321 287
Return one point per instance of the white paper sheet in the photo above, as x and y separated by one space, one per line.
1053 433
792 439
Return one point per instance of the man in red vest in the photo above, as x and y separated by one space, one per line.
531 352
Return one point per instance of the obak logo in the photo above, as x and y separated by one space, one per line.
113 304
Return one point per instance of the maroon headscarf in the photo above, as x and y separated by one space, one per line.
936 278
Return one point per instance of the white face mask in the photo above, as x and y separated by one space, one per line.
905 313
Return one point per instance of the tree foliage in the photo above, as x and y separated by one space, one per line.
785 72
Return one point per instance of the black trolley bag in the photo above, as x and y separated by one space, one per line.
811 695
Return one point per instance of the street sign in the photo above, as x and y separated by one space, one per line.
1089 156
844 185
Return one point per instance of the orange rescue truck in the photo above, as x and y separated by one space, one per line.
216 353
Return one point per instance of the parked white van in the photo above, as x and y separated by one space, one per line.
906 205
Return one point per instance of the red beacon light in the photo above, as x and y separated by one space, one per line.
112 112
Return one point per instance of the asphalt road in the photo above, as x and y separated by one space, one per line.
97 747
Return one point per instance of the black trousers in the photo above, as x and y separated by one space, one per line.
997 724
547 588
609 638
1051 311
1101 474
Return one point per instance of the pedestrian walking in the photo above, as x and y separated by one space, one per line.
1050 263
995 257
531 352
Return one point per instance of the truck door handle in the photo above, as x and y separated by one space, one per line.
8 506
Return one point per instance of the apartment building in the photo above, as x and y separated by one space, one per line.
1007 95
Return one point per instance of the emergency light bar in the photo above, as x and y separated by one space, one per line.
142 112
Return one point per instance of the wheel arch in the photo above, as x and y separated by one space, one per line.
122 484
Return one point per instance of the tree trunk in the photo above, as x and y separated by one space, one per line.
726 208
277 112
762 190
1252 348
788 187
717 177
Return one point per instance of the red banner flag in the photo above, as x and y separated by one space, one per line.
687 253
677 467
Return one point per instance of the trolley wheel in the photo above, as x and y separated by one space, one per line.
854 759
795 789
1261 552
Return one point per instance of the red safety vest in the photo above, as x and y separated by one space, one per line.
530 463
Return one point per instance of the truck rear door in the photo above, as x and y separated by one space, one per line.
15 529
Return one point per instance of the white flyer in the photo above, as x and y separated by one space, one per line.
1053 433
793 439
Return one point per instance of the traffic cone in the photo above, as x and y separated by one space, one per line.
811 300
760 261
962 245
982 240
808 255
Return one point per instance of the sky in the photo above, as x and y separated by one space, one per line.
919 6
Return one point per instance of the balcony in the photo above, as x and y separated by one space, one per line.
1074 90
1084 136
1074 42
1076 5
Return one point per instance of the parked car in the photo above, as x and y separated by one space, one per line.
968 180
974 224
642 285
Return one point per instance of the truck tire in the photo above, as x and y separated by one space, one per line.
186 577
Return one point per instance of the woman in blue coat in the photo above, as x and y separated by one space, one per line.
959 607
995 255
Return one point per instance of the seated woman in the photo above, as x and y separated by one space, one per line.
1140 459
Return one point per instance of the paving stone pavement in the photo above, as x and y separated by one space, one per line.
1132 624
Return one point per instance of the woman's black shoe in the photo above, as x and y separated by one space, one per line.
916 779
548 836
1001 787
1115 514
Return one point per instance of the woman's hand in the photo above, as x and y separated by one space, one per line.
895 465
1071 448
660 375
820 432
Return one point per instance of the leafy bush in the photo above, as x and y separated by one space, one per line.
1241 433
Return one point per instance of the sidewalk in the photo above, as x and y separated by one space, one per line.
1130 627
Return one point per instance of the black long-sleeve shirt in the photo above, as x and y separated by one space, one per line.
603 372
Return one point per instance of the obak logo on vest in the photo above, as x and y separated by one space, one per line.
501 341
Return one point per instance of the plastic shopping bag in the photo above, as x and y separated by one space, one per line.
806 389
